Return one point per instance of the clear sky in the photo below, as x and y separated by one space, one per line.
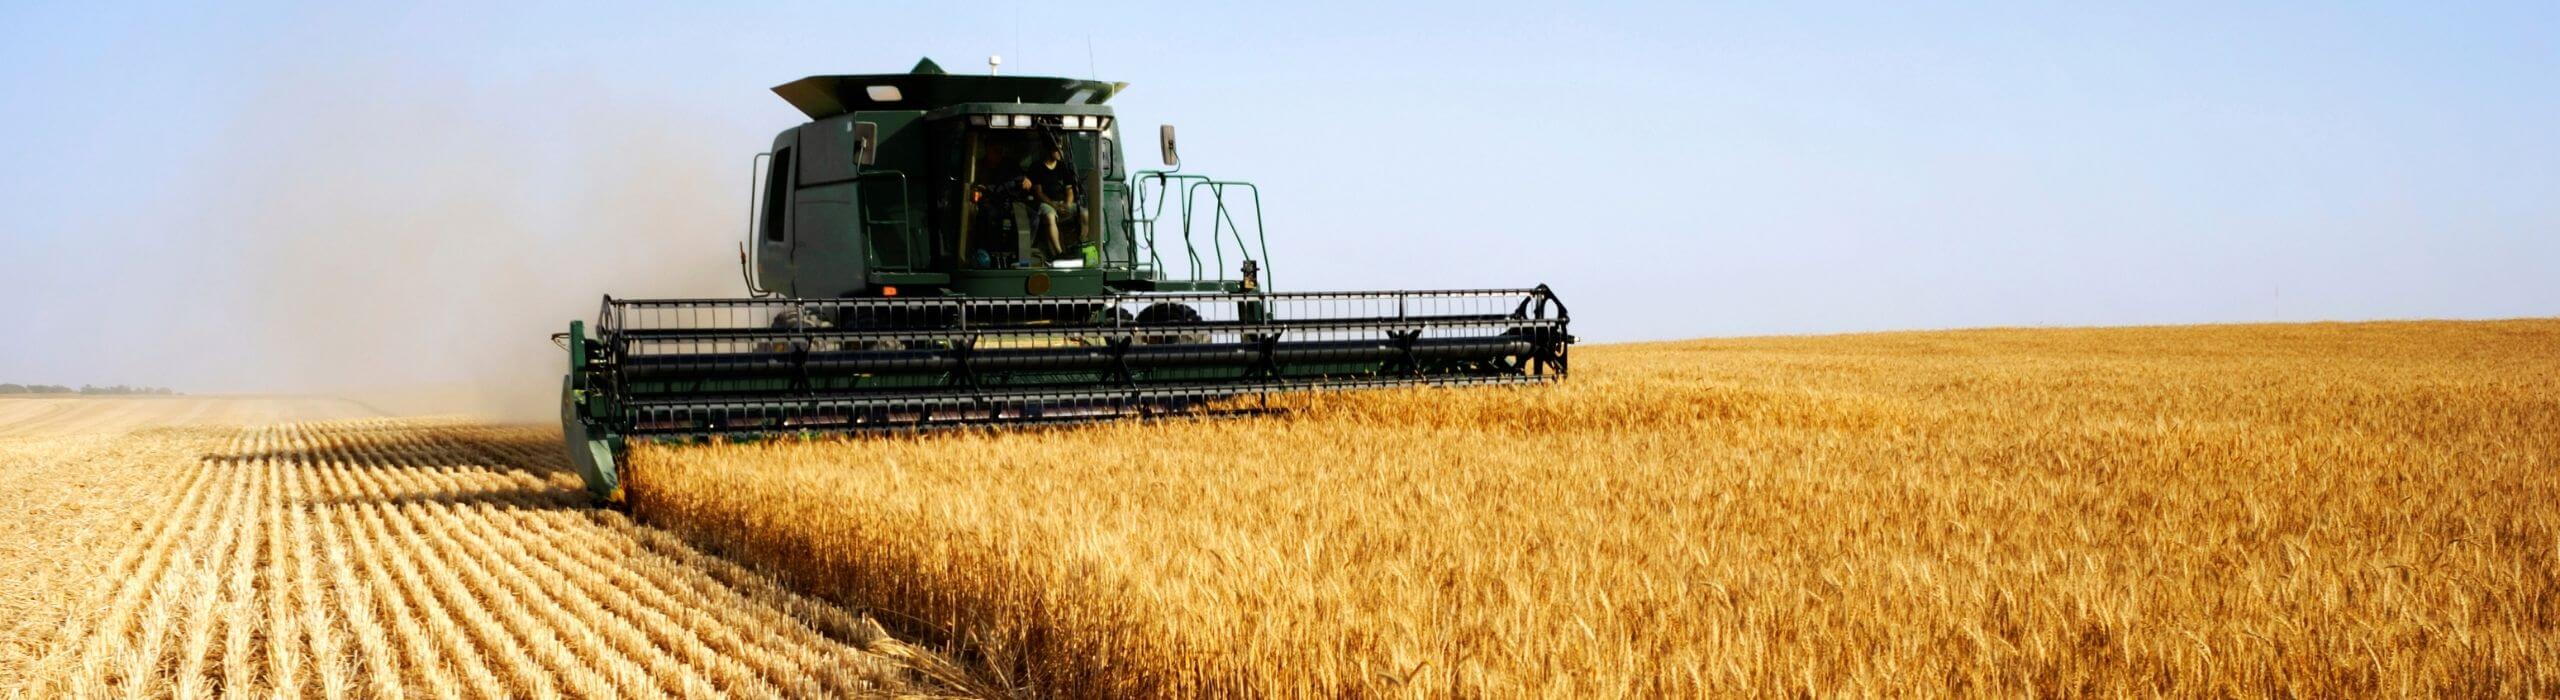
243 196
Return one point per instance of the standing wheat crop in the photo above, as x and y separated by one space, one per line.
2315 510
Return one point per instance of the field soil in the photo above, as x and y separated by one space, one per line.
229 552
2322 510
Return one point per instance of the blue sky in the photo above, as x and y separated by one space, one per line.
278 197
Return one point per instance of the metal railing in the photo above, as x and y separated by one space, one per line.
1147 218
1148 212
1221 218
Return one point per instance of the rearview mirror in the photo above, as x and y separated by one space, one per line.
866 142
1164 142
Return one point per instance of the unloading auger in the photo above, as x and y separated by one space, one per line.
936 250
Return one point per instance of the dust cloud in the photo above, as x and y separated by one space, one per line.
414 248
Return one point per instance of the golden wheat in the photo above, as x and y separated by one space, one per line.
2307 510
386 558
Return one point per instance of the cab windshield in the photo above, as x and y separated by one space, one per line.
1027 188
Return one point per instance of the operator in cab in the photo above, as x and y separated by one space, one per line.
1048 187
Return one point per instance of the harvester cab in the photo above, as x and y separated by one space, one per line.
935 250
931 184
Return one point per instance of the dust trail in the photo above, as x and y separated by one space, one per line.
415 247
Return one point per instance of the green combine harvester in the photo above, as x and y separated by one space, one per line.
935 250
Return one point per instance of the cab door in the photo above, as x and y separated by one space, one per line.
773 239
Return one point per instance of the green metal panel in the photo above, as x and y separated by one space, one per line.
829 256
583 413
912 279
1020 283
591 448
1184 286
827 147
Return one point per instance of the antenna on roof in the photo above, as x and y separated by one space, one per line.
993 61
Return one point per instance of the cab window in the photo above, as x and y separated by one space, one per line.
777 191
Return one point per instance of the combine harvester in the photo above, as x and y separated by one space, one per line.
936 250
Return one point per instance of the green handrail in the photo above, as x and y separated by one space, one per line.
1223 214
1164 180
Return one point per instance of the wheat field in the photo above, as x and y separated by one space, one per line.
386 558
2321 510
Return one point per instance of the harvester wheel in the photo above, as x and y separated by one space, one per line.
1169 313
853 320
1109 317
794 320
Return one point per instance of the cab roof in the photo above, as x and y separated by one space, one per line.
928 87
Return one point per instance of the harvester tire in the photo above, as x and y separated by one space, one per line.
794 320
1111 318
1169 313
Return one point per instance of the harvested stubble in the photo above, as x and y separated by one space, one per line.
387 558
23 416
64 501
2309 510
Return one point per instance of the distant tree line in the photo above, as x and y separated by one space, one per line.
92 390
